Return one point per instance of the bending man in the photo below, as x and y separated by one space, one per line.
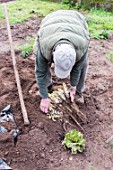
63 38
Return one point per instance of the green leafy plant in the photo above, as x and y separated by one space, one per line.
110 56
74 140
104 34
91 168
71 3
27 49
100 23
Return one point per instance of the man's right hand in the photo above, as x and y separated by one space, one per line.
45 105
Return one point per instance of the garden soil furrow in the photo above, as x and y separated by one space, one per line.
39 147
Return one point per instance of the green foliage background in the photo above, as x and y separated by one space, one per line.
105 4
100 21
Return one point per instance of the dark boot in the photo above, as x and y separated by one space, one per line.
79 98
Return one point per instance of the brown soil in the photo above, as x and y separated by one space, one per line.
39 147
2 1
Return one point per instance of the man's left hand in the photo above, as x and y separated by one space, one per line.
72 93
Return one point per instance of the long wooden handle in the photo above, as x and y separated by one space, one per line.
24 112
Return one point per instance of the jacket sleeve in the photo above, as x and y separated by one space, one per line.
76 71
41 72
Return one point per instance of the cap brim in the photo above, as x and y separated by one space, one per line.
60 73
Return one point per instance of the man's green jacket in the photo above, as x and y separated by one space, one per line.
63 26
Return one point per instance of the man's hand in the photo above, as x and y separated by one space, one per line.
72 93
45 105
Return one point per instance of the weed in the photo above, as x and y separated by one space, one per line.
110 56
27 48
104 34
91 168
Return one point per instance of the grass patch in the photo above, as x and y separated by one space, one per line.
27 48
100 23
22 10
110 56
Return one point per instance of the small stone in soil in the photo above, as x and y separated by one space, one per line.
42 155
41 125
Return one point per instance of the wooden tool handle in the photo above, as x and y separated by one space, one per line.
24 112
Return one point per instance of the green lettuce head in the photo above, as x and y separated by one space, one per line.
74 140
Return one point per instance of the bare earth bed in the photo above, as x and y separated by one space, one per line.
39 146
